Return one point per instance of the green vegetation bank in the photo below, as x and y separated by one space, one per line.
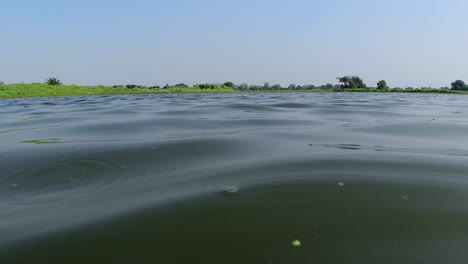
54 87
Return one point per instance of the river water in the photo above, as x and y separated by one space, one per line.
235 178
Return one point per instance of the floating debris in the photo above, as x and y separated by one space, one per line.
404 197
14 185
340 184
296 243
42 141
450 152
339 146
28 117
231 190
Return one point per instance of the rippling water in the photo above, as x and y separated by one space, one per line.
235 178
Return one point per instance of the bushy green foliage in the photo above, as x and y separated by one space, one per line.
181 85
242 87
276 87
229 84
308 87
53 81
212 86
459 85
351 82
206 86
254 87
382 84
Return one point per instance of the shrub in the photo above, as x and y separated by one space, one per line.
229 84
206 86
53 81
276 87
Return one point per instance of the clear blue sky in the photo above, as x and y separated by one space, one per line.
406 42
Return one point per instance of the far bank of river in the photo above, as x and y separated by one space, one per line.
44 90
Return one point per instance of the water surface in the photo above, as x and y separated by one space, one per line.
235 178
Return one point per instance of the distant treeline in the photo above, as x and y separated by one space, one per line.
346 83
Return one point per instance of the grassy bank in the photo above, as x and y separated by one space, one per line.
43 90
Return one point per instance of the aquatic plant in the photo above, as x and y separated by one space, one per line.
296 243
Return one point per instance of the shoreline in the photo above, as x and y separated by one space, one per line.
12 91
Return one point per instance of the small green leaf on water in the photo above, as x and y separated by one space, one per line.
296 243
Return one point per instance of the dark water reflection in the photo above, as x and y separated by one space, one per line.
234 178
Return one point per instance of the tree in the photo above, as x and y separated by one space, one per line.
229 84
255 87
353 82
276 87
292 87
345 81
357 82
459 85
243 86
181 85
382 84
53 81
266 85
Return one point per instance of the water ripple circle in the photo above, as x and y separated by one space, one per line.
60 180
